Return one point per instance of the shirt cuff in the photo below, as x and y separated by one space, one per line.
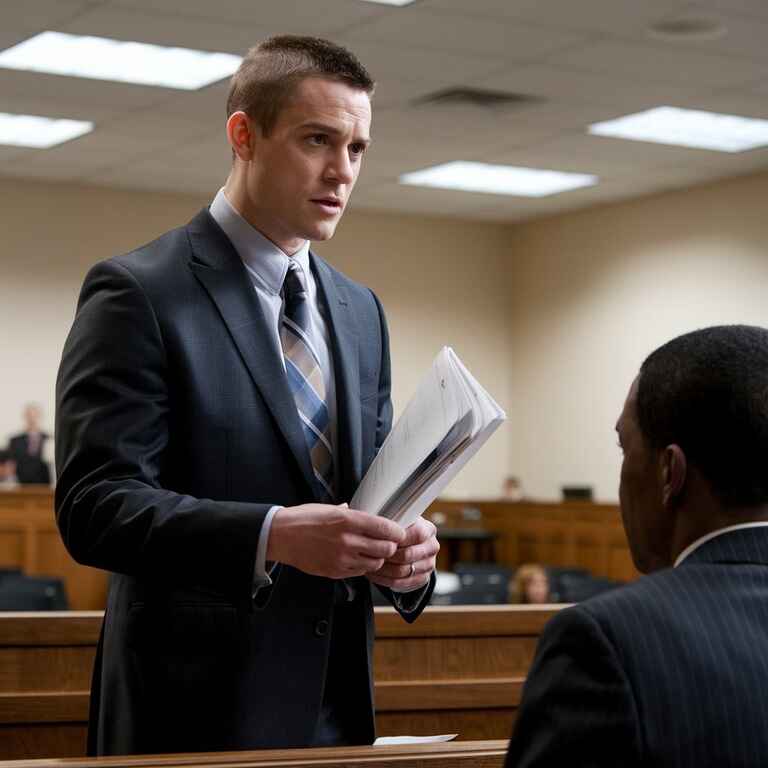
411 599
413 589
262 569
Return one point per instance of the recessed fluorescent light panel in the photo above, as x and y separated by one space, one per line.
497 179
390 2
100 58
39 132
688 128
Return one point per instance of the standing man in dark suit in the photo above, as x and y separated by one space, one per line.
221 393
27 449
672 670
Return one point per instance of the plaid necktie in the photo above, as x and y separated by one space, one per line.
305 378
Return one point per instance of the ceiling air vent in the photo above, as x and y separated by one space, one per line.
476 97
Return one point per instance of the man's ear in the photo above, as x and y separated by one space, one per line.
240 130
674 471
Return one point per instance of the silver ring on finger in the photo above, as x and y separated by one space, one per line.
413 570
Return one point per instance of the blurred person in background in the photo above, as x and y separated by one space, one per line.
7 470
28 448
530 584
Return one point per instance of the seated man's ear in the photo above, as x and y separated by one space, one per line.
674 471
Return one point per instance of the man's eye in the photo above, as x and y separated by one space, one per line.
357 149
318 139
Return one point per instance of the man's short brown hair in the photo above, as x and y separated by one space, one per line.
270 72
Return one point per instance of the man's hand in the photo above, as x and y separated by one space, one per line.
332 541
413 562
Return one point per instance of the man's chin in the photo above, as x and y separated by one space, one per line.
324 231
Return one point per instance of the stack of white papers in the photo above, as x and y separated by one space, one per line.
441 428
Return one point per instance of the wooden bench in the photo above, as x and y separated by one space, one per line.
455 670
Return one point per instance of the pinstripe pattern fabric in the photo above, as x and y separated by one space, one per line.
305 377
671 670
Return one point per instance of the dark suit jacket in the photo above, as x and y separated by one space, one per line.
176 433
671 670
30 468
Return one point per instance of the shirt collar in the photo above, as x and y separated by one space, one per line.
712 534
264 260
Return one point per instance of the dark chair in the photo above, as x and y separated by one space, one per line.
481 583
32 593
576 588
556 574
9 573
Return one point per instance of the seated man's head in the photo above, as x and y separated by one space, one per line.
694 433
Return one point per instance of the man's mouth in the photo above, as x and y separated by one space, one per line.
328 204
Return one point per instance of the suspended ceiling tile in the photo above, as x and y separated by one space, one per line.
619 17
465 34
285 16
160 27
660 64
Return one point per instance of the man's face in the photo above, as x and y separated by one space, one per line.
646 521
32 418
301 175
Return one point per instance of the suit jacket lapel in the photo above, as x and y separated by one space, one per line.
344 346
221 272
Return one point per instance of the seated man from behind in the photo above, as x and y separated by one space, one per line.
671 669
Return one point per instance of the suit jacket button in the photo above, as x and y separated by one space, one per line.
321 628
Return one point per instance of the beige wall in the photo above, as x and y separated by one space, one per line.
593 292
439 282
553 316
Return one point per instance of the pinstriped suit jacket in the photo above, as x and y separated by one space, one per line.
671 670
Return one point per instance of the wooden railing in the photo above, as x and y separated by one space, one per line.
467 754
455 670
571 534
30 541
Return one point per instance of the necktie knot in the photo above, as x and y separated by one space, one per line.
294 294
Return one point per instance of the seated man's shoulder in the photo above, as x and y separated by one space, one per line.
659 598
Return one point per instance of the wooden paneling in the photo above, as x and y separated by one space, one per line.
30 540
470 724
580 534
455 670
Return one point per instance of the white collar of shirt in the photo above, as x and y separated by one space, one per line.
711 535
265 261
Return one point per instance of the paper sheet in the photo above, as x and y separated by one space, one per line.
385 740
445 423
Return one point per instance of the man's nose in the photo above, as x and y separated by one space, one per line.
340 167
